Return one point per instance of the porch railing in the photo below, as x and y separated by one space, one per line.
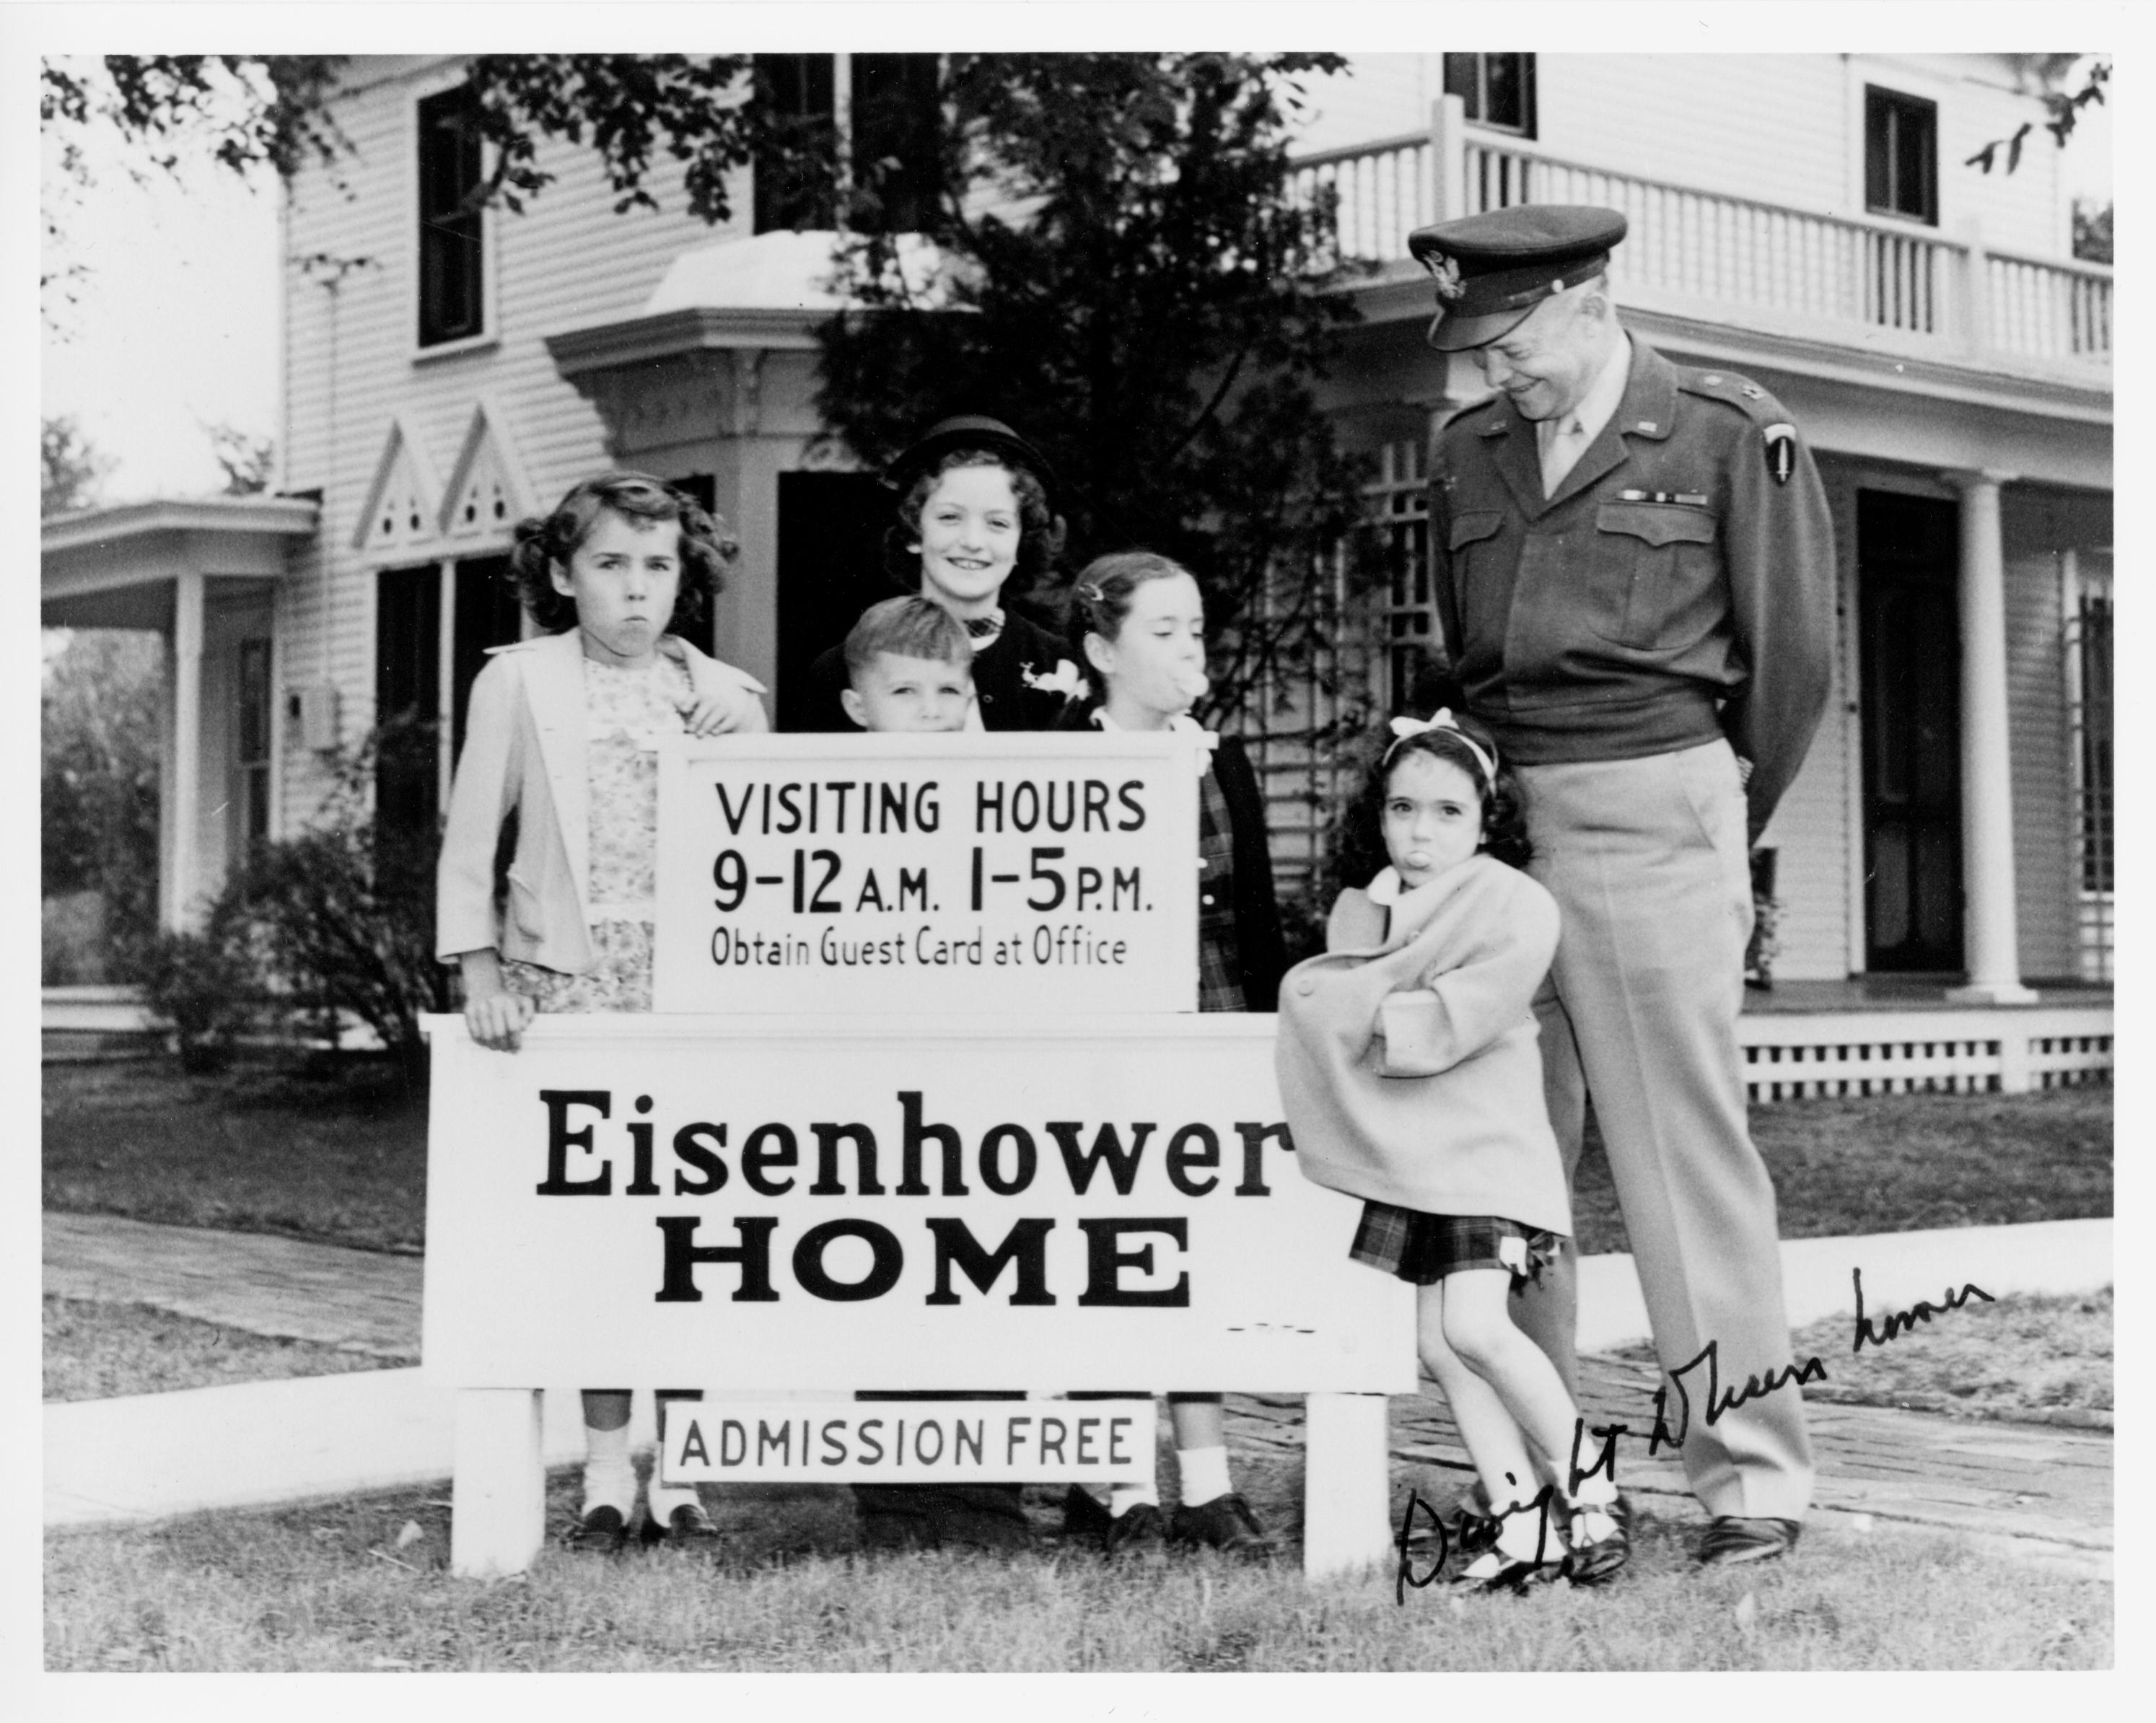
1732 255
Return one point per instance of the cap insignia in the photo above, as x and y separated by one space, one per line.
1446 271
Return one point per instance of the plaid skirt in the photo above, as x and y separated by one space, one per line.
1424 1248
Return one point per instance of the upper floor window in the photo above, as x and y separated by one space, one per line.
452 285
1900 156
1498 89
889 131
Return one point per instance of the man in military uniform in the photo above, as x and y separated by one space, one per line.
1634 575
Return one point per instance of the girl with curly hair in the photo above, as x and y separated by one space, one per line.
560 738
1411 1078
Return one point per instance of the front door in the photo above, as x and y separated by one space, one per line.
1907 551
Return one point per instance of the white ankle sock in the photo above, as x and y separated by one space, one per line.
610 1479
1123 1497
1204 1474
662 1499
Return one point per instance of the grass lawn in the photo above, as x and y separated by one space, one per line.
1900 1163
362 1584
2046 1360
343 1156
94 1352
340 1156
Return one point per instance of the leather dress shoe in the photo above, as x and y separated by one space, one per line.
601 1532
1732 1541
688 1527
1597 1562
1225 1524
1136 1534
1083 1516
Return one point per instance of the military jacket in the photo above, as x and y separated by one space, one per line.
1679 585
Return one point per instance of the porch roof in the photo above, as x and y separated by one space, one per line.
115 567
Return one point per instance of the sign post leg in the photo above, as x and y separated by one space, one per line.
1345 1485
499 1483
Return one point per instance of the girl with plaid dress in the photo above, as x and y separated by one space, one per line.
1137 623
560 742
1410 1076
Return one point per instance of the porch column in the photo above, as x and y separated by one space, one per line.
1987 790
181 805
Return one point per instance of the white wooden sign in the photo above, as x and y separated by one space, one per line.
1041 873
925 1202
908 1442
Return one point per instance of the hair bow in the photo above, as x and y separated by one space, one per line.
1441 718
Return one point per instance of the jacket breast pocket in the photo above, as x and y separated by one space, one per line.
1653 563
1479 589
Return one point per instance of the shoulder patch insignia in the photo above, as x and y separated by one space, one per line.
1781 445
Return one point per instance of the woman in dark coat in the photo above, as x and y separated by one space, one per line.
973 519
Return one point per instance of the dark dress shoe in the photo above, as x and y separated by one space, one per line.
1600 1540
1731 1542
1225 1524
601 1532
688 1527
1139 1534
1083 1516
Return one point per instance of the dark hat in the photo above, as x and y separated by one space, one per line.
1493 270
968 430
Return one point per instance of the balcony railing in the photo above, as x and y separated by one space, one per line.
1730 255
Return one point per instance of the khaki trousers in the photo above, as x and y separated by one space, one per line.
1647 860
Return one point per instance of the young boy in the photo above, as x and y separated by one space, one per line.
910 666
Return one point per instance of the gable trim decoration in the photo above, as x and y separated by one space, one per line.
488 492
403 501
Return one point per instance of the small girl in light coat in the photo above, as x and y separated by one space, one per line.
560 735
1411 1078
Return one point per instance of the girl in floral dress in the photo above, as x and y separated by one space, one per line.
560 737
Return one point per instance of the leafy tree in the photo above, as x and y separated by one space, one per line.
70 472
1124 276
248 459
2048 71
98 731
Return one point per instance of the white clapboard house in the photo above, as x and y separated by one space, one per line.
1943 865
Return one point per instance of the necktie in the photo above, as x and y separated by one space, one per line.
1562 442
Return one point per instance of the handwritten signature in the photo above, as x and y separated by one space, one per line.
1478 1532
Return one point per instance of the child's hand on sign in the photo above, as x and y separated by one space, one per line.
494 1017
498 1021
713 714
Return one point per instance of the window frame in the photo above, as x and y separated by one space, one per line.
1900 104
841 68
488 333
1529 127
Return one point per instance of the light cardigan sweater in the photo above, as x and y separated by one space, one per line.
524 749
1407 1054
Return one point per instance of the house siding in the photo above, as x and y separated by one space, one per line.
1784 129
1775 128
569 260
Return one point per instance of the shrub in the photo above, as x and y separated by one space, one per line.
341 917
205 987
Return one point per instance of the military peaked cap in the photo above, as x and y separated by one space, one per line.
1493 270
